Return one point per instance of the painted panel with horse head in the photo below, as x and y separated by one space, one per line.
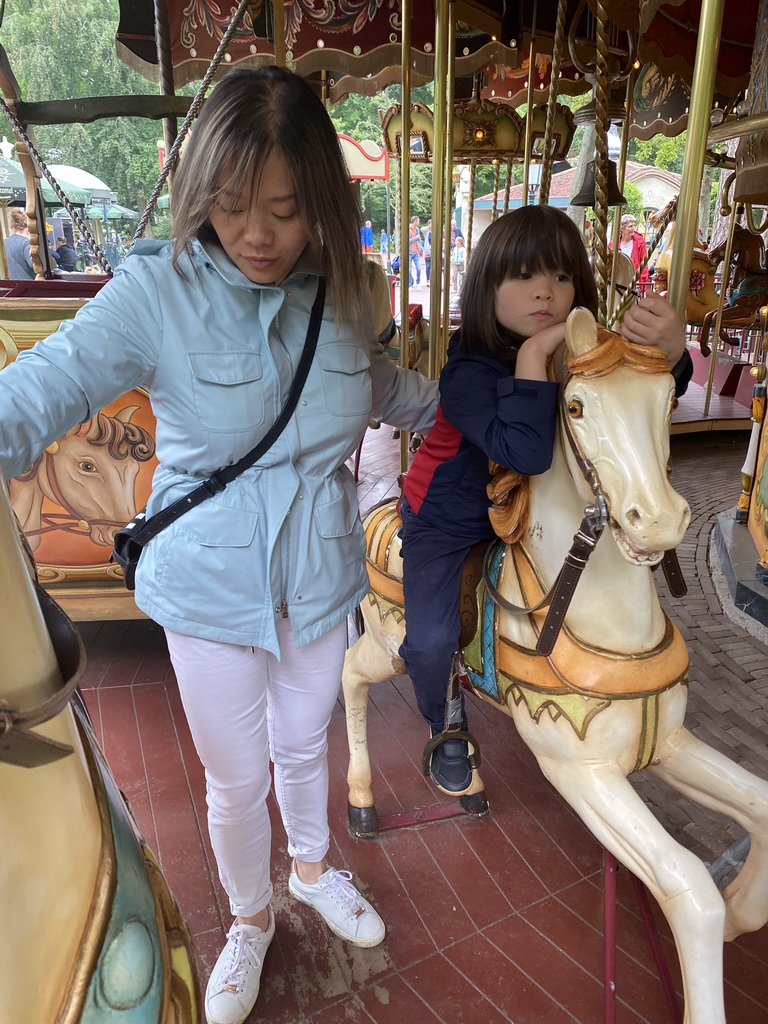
86 485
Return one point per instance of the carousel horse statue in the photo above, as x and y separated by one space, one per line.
746 283
597 685
91 933
747 287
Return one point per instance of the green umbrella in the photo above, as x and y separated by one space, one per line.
114 212
13 187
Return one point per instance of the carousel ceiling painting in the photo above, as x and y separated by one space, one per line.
358 41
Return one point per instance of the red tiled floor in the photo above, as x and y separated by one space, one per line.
493 920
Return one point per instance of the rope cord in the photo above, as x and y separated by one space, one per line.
194 108
601 158
546 158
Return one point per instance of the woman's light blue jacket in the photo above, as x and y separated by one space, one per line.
217 354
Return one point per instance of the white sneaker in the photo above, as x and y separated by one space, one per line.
234 983
344 910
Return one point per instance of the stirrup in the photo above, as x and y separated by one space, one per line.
442 737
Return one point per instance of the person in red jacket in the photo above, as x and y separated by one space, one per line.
632 244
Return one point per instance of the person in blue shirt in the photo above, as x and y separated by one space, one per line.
529 270
366 237
383 241
17 248
253 586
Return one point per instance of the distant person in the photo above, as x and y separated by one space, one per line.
458 264
427 233
366 237
456 233
17 248
415 249
383 241
632 244
67 254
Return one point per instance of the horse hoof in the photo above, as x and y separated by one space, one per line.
415 443
475 804
363 822
395 433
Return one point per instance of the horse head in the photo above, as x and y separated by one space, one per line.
616 406
91 472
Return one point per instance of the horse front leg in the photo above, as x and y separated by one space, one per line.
617 817
367 661
715 781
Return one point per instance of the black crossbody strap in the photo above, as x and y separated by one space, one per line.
216 483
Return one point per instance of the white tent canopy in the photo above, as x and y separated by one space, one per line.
85 180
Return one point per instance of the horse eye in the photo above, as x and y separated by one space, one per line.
674 403
88 467
575 409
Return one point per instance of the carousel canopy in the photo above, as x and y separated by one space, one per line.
358 42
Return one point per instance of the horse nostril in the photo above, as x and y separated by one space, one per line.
633 516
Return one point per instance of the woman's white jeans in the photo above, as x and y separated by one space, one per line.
244 706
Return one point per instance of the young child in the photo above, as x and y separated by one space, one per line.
529 270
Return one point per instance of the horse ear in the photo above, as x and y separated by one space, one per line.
580 331
125 414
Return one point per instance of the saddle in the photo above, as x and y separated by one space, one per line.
385 570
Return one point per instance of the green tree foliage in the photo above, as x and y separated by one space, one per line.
359 117
67 51
661 152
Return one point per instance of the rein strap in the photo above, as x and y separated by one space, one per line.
558 598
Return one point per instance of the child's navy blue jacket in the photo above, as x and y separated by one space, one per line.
484 413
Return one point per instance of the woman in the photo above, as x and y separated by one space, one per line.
17 248
632 244
253 586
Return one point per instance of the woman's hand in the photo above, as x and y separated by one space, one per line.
534 353
654 321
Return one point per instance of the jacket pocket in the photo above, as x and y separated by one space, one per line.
337 517
346 379
228 390
214 525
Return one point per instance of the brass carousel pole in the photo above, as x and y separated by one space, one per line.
405 201
278 16
165 67
546 156
442 166
621 170
496 177
707 45
445 281
529 106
